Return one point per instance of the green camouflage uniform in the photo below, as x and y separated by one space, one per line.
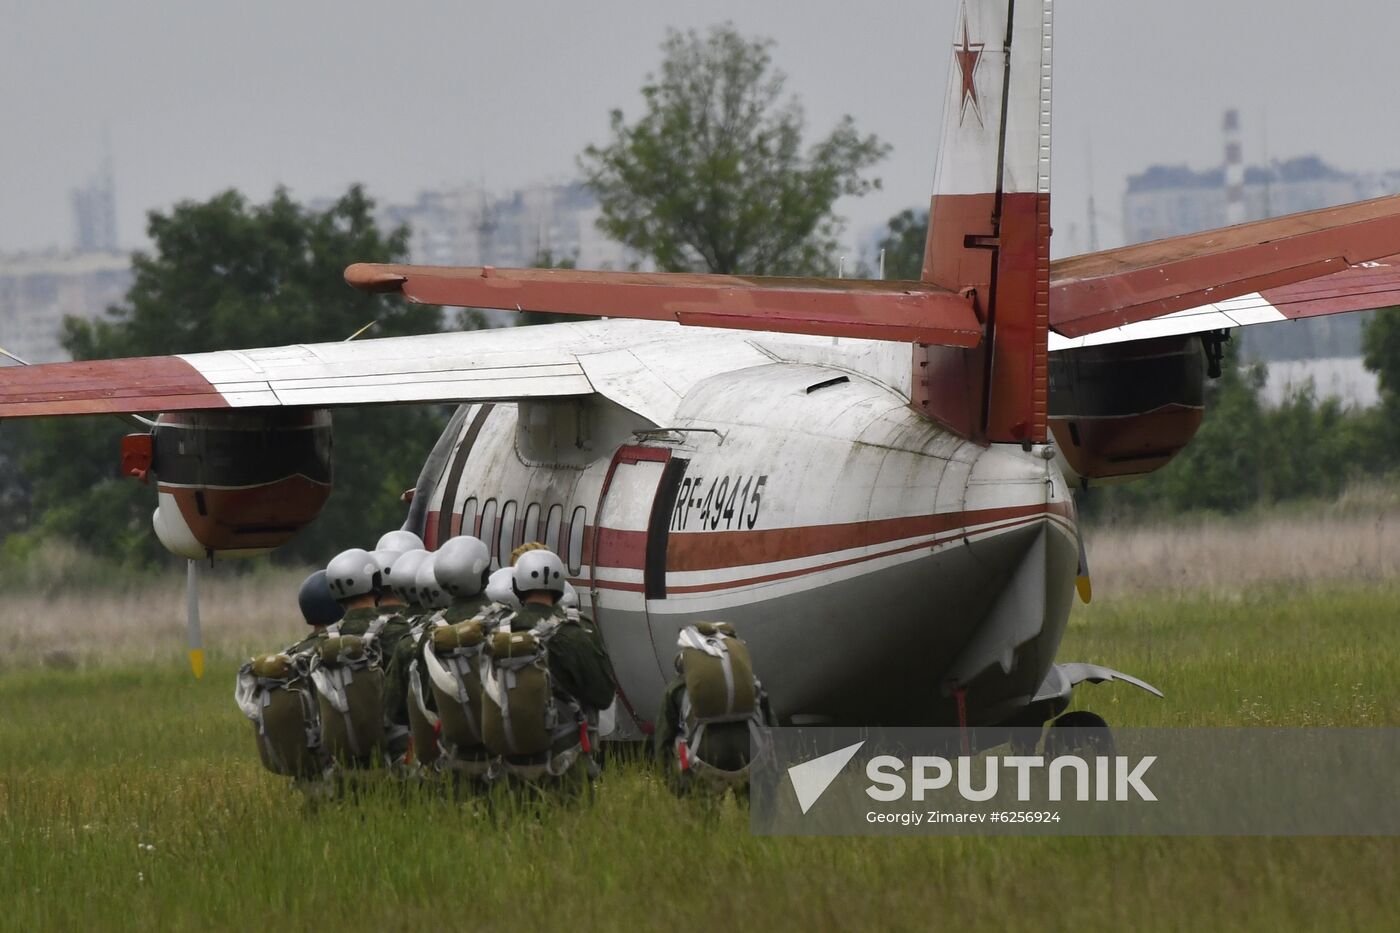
577 662
358 621
307 643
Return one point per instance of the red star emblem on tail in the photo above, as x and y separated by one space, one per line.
968 55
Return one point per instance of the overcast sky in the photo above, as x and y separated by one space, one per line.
201 96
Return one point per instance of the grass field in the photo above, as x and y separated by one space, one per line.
130 797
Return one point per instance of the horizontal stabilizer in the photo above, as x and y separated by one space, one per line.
911 312
1101 291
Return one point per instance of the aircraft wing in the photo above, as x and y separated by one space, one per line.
1363 287
1322 262
466 366
910 312
645 366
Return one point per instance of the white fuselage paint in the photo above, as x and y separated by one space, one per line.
859 548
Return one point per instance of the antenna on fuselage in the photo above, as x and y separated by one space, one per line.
1093 214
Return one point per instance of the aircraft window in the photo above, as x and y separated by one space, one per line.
469 517
507 542
488 527
576 540
532 523
551 527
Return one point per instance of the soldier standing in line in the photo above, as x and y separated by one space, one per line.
545 727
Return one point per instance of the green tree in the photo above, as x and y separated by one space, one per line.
227 274
903 243
1381 343
714 177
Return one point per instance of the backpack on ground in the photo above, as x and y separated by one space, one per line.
536 732
452 661
275 693
349 677
723 698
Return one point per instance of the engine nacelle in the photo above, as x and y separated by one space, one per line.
234 484
1123 410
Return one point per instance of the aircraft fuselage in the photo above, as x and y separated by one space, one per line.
873 560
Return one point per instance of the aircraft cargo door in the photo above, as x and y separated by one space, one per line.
629 566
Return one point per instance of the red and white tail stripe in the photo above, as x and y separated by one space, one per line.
989 222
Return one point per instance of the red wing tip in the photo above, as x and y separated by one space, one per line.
372 277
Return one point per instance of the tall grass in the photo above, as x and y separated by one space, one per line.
131 796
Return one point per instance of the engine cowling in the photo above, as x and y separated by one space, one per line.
234 484
1124 410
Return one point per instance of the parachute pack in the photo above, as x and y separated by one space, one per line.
721 708
536 732
423 722
349 676
452 658
275 693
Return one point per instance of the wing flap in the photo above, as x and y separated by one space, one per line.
1363 287
1101 291
914 312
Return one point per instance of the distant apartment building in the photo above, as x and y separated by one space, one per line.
1167 200
469 226
95 213
1171 200
37 291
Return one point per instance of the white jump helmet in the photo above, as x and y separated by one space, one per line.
403 575
539 570
500 588
461 565
353 573
400 541
431 595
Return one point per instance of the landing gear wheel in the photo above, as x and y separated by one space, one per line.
1079 733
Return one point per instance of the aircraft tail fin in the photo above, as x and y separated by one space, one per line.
989 223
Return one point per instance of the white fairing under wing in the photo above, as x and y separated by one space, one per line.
1329 261
1363 287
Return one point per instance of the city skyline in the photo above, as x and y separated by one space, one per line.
197 100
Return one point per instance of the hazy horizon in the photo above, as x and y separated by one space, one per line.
435 94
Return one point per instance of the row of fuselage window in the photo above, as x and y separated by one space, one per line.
504 529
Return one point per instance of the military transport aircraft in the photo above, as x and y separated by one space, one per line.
873 479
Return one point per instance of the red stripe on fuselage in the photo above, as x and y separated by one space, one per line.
722 550
927 543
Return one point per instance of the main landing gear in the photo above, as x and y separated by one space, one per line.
1079 733
1075 733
